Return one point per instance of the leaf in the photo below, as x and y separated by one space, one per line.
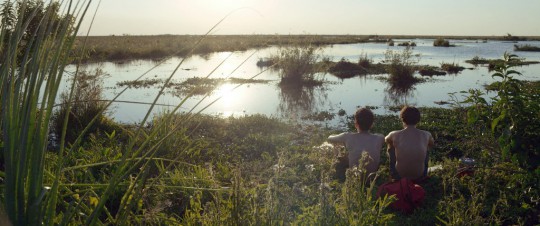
498 74
472 116
513 72
496 121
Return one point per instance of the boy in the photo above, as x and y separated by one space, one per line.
408 148
361 141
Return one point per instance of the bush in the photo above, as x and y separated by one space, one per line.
507 116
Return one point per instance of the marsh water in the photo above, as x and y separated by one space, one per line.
336 94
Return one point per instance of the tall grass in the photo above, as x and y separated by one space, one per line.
41 188
298 64
401 67
32 68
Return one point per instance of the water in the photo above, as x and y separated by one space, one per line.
270 99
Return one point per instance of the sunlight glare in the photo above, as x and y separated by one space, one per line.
228 97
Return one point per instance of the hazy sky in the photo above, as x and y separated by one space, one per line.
418 17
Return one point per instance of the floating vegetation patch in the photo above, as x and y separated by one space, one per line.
452 68
430 71
146 83
234 80
196 86
441 42
527 47
407 44
205 86
492 63
345 69
265 62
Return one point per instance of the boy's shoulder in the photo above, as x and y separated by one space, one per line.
378 135
393 132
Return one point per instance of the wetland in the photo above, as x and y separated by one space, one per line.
245 82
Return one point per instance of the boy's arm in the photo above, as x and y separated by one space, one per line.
336 138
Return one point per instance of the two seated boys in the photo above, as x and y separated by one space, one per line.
407 148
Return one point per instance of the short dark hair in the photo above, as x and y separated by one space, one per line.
410 115
364 118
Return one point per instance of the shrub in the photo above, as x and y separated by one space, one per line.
508 115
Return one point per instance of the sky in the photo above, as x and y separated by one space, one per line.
356 17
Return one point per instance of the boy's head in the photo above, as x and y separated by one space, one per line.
364 119
410 115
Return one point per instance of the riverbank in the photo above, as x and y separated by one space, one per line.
258 170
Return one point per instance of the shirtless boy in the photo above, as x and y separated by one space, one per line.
408 148
361 141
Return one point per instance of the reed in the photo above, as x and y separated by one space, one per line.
35 51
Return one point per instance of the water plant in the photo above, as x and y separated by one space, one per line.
298 63
430 71
452 68
441 42
401 67
409 43
527 47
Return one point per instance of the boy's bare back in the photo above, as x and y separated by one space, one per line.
357 143
411 146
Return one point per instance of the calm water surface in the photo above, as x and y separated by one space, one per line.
270 99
